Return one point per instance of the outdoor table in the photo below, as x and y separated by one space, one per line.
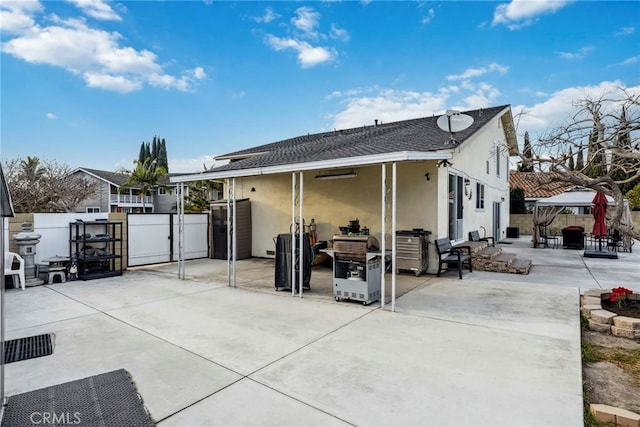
56 266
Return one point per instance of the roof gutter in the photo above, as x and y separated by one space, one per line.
399 156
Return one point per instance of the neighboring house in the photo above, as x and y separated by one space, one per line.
448 188
112 196
534 187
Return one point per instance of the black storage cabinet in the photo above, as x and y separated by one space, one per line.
283 261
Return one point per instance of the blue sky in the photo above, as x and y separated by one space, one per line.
84 82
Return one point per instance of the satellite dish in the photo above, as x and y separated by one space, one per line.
454 121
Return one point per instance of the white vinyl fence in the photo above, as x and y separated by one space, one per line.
152 238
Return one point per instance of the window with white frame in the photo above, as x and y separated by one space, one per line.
479 196
497 160
93 210
162 191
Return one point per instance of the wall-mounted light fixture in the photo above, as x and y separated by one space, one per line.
445 163
337 175
427 177
467 188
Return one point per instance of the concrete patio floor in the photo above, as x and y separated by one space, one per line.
492 349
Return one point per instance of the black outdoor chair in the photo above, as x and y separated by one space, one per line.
474 236
614 240
452 255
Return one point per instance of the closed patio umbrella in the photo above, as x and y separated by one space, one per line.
599 213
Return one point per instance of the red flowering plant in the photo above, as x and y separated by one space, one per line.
619 295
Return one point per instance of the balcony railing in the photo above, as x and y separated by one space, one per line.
128 199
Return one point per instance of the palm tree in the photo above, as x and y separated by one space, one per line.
146 177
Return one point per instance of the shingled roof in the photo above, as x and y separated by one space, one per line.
120 179
416 139
408 135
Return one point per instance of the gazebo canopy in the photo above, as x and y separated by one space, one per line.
573 198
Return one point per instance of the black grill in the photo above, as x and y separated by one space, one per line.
28 348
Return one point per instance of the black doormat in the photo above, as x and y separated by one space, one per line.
108 399
28 348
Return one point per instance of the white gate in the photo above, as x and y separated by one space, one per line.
153 238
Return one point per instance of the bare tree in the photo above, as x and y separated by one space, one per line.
599 125
45 186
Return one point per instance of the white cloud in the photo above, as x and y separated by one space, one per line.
306 20
625 31
51 116
363 105
388 105
17 16
308 55
426 19
558 109
238 95
95 55
470 73
269 15
194 165
305 31
110 82
580 54
97 9
198 73
339 33
632 60
521 13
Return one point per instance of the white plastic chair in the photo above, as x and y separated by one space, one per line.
10 271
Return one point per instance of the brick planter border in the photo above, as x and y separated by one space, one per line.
605 321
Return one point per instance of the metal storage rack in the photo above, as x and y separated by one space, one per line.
411 251
96 247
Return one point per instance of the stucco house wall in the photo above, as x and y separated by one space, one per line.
484 159
333 203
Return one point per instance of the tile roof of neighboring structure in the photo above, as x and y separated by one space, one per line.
417 135
533 184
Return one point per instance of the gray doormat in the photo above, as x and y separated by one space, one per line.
28 348
105 400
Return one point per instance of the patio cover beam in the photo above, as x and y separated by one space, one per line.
400 156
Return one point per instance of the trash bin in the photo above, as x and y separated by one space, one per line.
513 232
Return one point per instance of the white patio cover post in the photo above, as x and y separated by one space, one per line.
231 232
393 235
234 241
292 229
301 246
228 188
383 239
180 209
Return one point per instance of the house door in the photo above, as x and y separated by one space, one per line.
455 207
496 220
